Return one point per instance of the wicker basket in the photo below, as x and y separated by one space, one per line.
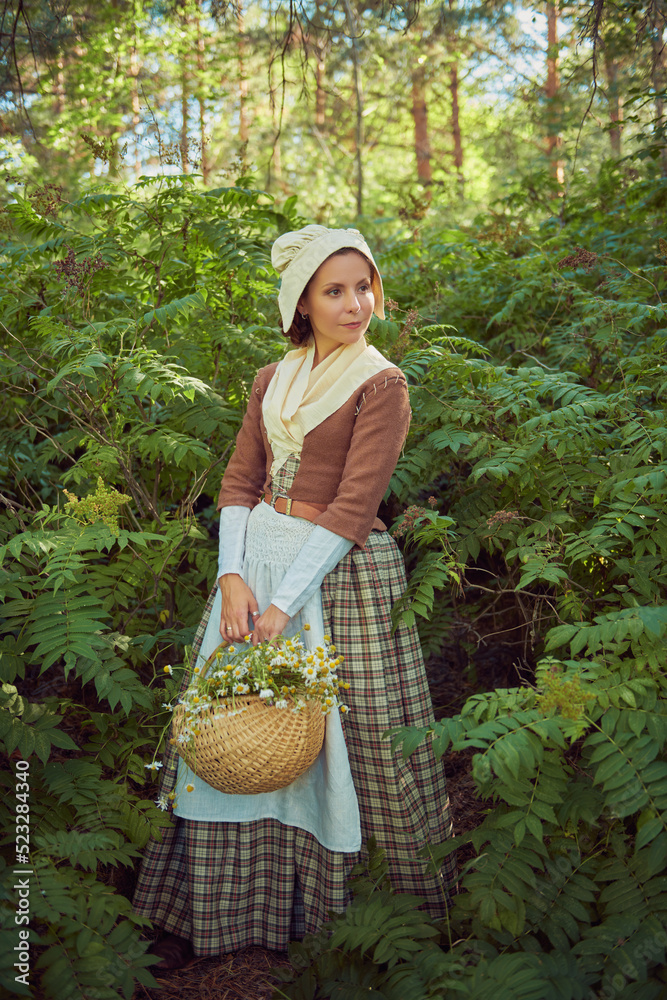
259 750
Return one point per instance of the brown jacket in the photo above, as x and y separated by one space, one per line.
346 461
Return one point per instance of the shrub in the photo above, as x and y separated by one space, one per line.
134 322
539 432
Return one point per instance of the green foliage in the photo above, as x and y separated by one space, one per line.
541 452
123 388
541 440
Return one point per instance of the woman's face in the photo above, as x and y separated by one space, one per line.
339 302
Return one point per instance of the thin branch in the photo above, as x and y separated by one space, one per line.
590 29
20 13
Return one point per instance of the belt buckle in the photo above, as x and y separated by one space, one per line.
288 505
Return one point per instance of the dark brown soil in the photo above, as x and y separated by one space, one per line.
243 976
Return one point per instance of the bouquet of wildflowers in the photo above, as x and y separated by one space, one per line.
280 674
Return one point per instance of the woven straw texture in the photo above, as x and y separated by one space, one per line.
258 749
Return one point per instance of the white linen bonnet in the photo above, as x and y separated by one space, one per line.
297 255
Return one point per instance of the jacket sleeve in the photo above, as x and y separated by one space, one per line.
380 428
246 470
231 544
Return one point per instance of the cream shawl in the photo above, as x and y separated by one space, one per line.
299 397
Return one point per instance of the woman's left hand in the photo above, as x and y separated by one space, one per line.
269 625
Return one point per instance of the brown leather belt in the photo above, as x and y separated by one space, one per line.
295 508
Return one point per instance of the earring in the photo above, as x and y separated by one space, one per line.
304 315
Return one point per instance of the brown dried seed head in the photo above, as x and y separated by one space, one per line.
580 258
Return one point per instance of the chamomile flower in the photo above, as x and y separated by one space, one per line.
153 766
282 673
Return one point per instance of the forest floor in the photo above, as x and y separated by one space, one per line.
247 975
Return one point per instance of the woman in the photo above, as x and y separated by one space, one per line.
319 442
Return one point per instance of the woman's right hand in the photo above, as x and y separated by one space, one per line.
238 602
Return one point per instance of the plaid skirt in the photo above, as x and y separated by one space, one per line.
229 885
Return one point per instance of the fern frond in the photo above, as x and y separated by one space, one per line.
31 727
63 627
626 769
85 849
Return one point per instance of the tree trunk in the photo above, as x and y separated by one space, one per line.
185 167
553 140
134 92
456 126
359 131
420 117
205 167
277 162
243 82
658 79
109 131
59 91
275 166
614 101
185 95
320 96
453 44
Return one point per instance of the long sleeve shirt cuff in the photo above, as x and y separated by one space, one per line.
231 551
318 556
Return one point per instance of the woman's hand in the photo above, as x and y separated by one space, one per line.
269 625
238 602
